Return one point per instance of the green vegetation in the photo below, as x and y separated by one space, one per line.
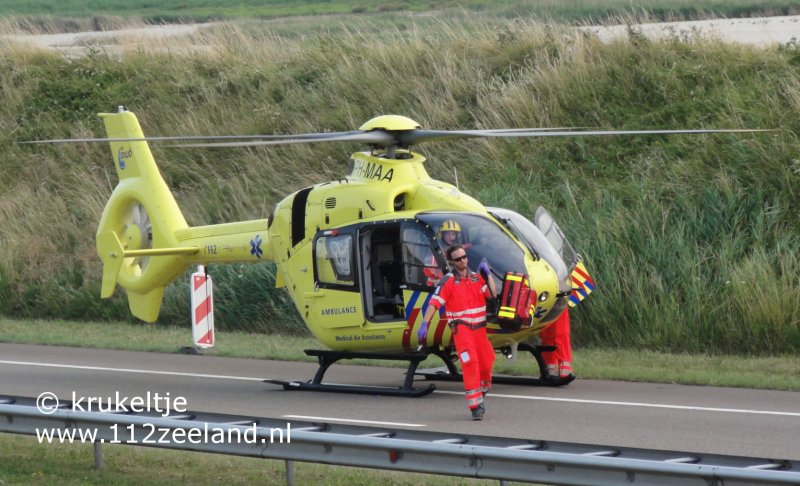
25 461
574 10
152 337
592 363
693 240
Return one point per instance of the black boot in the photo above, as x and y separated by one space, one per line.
477 412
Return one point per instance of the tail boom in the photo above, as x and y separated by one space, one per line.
143 239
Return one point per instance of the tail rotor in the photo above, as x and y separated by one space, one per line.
138 235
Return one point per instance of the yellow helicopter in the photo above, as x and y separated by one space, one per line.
360 255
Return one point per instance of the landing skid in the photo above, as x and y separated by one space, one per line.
451 373
326 358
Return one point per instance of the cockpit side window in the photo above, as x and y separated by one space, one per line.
333 259
420 265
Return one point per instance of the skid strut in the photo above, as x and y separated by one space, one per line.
451 372
326 358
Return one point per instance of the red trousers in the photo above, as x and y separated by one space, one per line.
557 334
477 357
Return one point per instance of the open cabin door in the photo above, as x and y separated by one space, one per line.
397 259
381 267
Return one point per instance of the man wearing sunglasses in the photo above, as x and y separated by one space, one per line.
464 293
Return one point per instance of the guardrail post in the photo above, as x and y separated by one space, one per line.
289 473
98 455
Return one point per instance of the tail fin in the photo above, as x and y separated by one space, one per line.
136 238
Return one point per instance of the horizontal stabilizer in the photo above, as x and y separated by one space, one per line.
151 252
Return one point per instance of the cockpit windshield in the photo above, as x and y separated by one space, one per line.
537 242
481 237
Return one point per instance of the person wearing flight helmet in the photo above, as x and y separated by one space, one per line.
449 234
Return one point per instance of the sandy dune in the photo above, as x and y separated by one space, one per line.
109 40
757 31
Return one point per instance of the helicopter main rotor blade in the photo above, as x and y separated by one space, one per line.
178 138
374 137
418 136
353 135
382 137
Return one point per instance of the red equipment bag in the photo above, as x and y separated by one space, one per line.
516 301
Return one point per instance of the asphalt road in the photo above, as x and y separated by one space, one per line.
641 415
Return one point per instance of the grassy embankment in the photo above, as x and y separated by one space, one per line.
693 240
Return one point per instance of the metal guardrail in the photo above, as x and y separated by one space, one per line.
402 450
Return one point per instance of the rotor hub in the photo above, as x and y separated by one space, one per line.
391 123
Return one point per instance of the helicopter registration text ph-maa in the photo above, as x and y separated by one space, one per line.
370 170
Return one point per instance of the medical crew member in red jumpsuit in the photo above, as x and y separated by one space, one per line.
559 362
464 293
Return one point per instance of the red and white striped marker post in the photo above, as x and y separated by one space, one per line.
202 309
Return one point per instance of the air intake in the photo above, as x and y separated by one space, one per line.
330 203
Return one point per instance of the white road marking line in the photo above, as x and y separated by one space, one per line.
132 370
636 404
521 397
352 421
